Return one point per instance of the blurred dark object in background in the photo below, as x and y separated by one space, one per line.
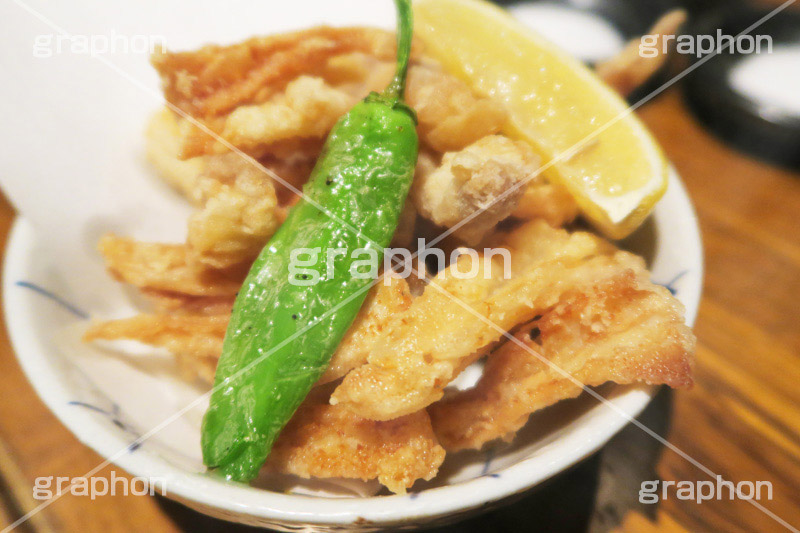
751 100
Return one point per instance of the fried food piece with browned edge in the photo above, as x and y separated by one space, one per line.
621 328
546 201
267 91
629 69
481 184
307 109
389 298
455 320
238 214
192 332
213 80
164 267
325 441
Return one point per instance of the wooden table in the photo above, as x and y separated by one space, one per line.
741 419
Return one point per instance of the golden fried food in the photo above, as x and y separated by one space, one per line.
484 181
629 68
183 304
236 219
238 205
164 267
447 327
621 328
291 163
359 73
194 340
215 79
386 300
163 149
430 343
196 336
194 327
570 299
547 201
307 109
451 116
327 441
294 86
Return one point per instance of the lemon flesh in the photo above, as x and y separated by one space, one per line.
589 139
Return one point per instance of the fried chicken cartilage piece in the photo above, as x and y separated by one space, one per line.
622 328
455 320
451 116
209 83
484 180
325 441
546 201
200 337
237 217
163 148
292 164
163 267
238 200
411 341
213 80
165 303
194 340
308 108
629 68
387 299
268 90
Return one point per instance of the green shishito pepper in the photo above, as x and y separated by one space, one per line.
282 332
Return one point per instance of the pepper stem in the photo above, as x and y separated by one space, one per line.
405 28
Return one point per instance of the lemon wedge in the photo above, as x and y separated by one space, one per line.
588 138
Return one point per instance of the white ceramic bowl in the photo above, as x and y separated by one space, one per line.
107 401
95 180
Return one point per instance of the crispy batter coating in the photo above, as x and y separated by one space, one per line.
629 69
308 108
430 343
620 328
360 73
454 320
183 304
163 149
384 301
195 327
483 181
215 79
451 116
237 217
292 162
197 336
238 205
327 441
194 340
547 201
163 267
209 83
267 90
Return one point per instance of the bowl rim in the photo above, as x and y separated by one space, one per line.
212 495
